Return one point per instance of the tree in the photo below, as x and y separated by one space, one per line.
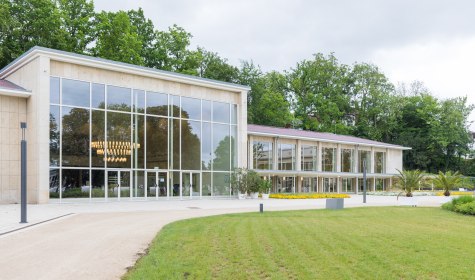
77 22
117 38
447 181
319 91
409 180
212 66
172 52
146 34
29 23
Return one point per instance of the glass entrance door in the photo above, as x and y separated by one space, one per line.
191 184
157 184
118 184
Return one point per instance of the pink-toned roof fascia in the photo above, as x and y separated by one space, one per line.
4 84
321 136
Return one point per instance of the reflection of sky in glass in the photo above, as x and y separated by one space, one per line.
139 100
118 97
221 112
191 108
75 93
206 151
98 96
54 90
206 110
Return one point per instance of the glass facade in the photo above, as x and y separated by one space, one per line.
364 156
309 157
329 159
262 155
347 159
379 162
286 154
115 142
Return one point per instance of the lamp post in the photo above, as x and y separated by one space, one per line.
23 173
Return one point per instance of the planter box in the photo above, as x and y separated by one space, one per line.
335 203
254 195
265 195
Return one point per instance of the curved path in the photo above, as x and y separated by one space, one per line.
101 240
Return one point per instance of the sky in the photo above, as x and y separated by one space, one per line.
428 41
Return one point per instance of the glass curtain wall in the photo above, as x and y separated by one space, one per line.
364 156
262 155
379 162
286 157
104 137
329 159
309 157
347 159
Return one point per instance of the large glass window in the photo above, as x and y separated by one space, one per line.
347 185
190 145
221 147
119 146
347 160
157 143
118 98
379 161
102 136
262 155
191 108
329 159
54 135
364 156
286 157
221 112
98 96
157 103
75 93
309 157
309 185
329 185
75 137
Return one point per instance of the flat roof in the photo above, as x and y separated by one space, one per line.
262 130
116 66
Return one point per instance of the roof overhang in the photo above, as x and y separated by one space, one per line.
14 93
106 64
327 140
292 173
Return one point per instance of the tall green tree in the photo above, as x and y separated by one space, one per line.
77 23
29 23
172 51
319 90
117 38
146 34
212 66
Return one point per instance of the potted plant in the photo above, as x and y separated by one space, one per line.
253 183
239 182
264 188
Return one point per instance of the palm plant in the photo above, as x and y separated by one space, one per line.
448 181
408 180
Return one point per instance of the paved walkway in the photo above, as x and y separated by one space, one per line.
100 240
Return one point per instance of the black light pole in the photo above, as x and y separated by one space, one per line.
23 173
364 180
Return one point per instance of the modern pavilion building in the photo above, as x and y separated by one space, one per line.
103 130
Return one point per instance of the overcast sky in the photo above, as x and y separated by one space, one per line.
429 41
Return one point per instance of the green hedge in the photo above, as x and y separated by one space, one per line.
463 204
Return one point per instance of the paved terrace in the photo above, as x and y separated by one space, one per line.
82 240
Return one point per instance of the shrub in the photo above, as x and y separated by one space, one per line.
464 204
466 208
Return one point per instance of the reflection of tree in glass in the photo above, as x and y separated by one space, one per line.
75 138
118 130
190 149
258 151
222 155
54 137
157 142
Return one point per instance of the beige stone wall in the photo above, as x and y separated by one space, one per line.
12 112
34 76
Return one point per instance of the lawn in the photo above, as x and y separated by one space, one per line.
358 243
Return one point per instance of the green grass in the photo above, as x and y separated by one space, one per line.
358 243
